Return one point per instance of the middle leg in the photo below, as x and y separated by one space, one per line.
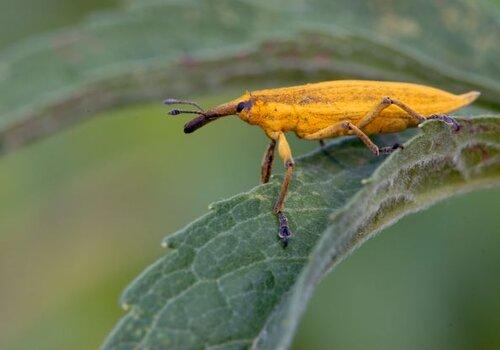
369 143
267 162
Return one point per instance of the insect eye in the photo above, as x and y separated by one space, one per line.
240 107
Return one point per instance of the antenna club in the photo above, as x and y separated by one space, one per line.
174 112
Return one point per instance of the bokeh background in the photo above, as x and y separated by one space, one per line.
82 213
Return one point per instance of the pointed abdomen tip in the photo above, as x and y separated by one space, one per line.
470 96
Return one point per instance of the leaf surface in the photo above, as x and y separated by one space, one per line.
228 284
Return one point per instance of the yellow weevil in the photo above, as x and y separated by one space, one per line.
330 109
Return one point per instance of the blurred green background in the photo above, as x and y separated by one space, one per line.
83 212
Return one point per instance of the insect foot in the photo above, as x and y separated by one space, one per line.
446 119
390 149
284 231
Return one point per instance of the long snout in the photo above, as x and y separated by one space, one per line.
209 116
196 123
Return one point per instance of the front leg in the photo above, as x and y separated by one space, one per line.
267 162
285 153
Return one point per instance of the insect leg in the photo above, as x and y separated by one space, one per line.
285 154
369 143
417 117
363 137
334 130
446 119
386 102
329 131
267 163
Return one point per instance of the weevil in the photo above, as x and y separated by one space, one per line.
326 110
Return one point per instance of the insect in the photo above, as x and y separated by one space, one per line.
330 109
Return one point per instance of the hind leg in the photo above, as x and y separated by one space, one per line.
417 117
385 103
338 128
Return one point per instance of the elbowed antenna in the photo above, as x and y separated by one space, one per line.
204 117
174 101
174 112
180 111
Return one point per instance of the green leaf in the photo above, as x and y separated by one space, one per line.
158 48
227 283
